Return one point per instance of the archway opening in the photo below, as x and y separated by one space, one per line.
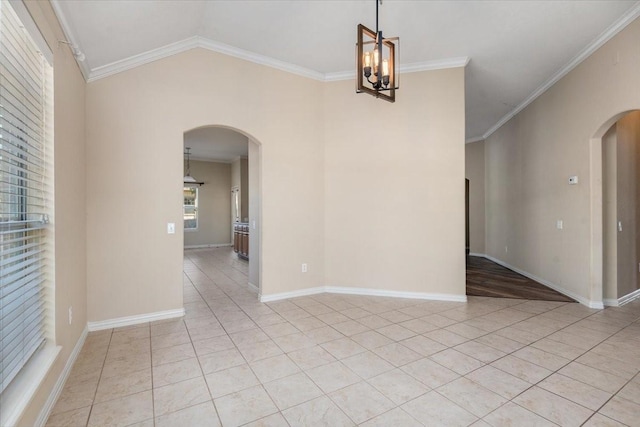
222 208
615 195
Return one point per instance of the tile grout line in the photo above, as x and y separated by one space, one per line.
235 346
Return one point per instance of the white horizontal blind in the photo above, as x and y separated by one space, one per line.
23 196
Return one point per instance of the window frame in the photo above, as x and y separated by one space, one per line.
19 390
195 209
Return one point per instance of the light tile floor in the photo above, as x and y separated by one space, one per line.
334 360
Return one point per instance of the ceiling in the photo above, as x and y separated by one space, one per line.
216 143
516 48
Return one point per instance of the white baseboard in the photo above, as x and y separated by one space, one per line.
62 379
363 291
134 320
17 396
610 302
582 300
476 254
213 245
291 294
627 298
253 288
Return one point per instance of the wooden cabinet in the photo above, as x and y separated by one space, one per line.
241 239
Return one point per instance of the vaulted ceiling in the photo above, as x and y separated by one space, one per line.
516 48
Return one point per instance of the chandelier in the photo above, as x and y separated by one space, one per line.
377 62
189 181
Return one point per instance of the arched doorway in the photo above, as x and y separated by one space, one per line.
229 163
615 212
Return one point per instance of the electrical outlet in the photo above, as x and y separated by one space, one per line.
70 315
559 224
304 268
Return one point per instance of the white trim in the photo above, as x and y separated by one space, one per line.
259 59
192 43
62 379
32 29
472 140
395 294
134 320
607 35
477 254
141 59
598 305
66 30
253 288
570 294
362 291
291 294
413 67
212 245
438 64
18 395
340 76
610 302
225 49
628 298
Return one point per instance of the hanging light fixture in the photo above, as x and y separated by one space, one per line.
188 179
377 62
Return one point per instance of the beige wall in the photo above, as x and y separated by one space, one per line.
394 182
474 172
214 204
134 267
70 188
240 179
610 214
244 189
628 142
637 261
531 157
254 213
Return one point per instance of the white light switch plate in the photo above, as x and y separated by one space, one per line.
171 228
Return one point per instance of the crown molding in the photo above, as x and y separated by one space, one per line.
607 35
413 67
339 76
474 139
259 59
143 58
66 30
198 42
438 64
225 49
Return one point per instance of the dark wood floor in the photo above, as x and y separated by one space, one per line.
487 279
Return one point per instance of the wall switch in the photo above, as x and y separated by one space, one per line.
573 180
559 224
304 268
70 315
506 248
619 225
171 228
254 224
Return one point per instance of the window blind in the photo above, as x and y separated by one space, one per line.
24 93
